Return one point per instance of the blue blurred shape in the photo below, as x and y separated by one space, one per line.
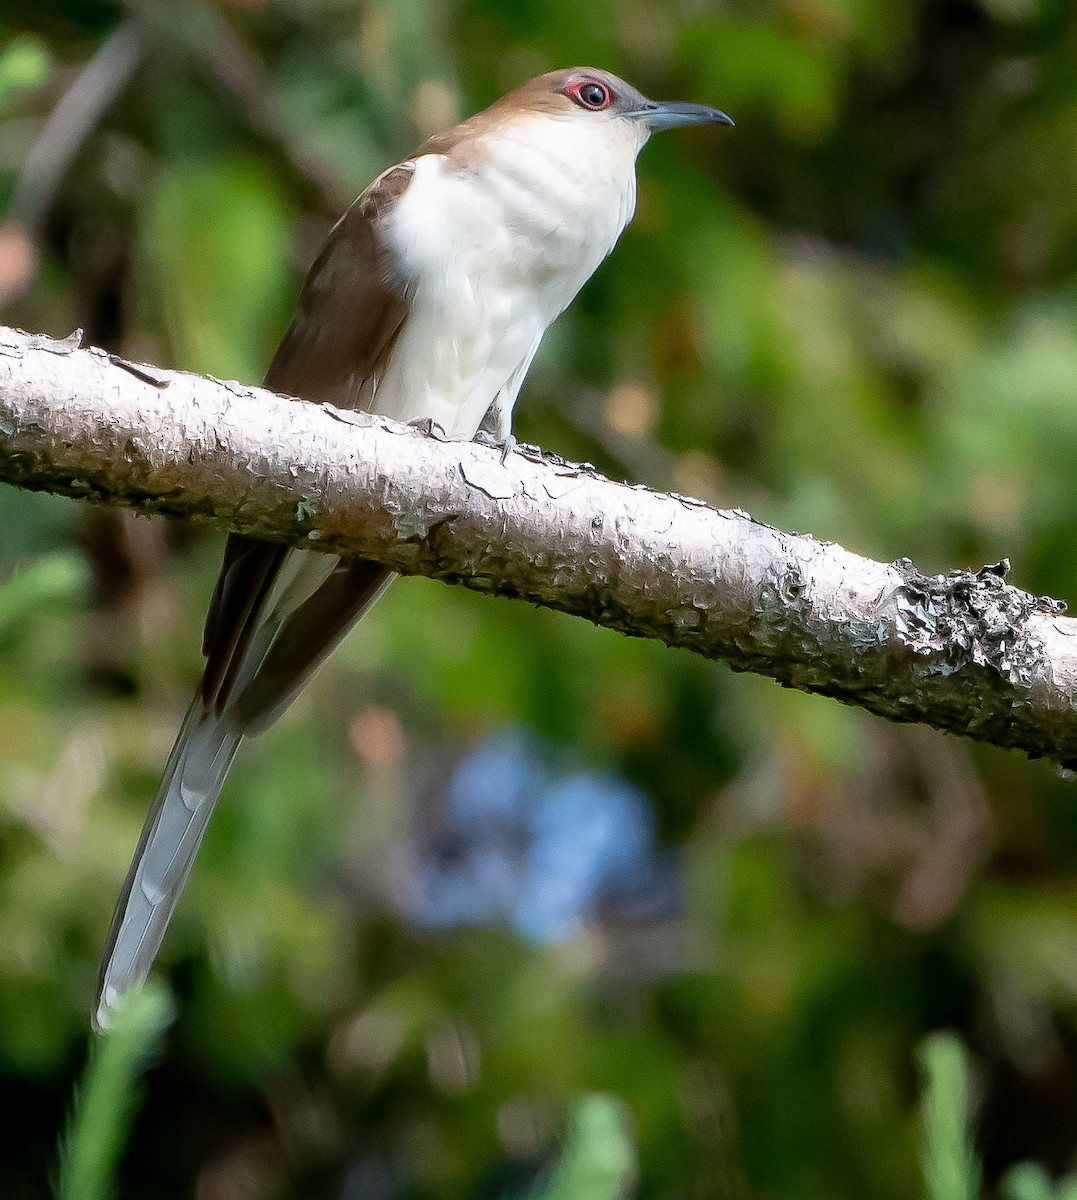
509 840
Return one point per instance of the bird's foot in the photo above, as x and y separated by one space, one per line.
430 427
506 444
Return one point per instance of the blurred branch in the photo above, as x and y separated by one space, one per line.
207 36
80 108
95 88
964 652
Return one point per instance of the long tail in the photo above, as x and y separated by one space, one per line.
192 781
313 601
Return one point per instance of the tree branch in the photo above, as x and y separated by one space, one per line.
964 652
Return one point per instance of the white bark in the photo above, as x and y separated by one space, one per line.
965 652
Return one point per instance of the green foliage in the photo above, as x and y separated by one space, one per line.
1030 1181
951 1169
105 1102
950 1166
215 241
598 1160
24 65
56 577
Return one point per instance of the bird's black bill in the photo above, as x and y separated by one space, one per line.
671 114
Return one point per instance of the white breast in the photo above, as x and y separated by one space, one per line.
490 254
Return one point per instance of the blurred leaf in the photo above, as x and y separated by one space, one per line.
598 1161
105 1104
757 67
25 64
218 235
39 584
951 1170
1029 1181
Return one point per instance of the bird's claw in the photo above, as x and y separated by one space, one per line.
506 445
428 426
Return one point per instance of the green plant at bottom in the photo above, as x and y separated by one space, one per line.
105 1103
951 1168
598 1161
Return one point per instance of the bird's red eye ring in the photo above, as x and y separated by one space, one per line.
589 93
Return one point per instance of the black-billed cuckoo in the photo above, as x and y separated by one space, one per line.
428 301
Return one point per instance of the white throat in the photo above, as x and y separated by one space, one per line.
491 249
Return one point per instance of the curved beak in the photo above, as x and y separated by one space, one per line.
671 114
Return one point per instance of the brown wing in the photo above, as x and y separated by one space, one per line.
350 309
349 316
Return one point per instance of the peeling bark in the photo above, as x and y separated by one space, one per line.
964 652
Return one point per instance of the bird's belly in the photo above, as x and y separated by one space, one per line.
482 284
460 344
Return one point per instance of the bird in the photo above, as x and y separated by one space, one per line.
426 303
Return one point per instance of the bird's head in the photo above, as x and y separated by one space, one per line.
592 103
587 94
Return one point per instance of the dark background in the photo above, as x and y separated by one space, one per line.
496 860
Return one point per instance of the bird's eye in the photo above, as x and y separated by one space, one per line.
590 94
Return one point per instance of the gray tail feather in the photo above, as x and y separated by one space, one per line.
192 781
204 749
